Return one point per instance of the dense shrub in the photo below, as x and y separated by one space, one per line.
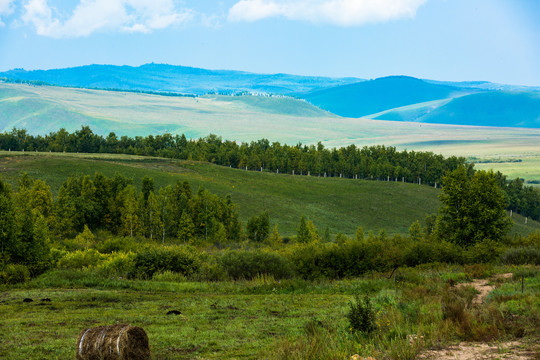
521 256
117 264
14 274
361 315
81 259
116 244
152 259
248 264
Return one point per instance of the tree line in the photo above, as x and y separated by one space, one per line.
373 162
29 217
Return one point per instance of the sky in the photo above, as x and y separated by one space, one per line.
451 40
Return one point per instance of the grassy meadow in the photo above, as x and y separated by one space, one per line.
342 205
267 319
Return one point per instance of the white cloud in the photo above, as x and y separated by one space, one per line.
90 16
6 8
336 12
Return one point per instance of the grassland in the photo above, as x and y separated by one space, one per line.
525 167
260 318
342 205
43 109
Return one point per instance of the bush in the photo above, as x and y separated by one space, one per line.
117 264
168 276
14 274
521 256
361 315
152 259
116 244
248 264
80 259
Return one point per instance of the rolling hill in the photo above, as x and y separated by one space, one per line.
369 97
339 204
503 109
176 79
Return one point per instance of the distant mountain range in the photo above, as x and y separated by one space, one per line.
397 98
176 79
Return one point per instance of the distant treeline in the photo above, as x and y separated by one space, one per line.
43 83
373 162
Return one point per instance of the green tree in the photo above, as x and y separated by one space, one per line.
186 228
415 231
7 223
258 227
129 211
302 233
472 208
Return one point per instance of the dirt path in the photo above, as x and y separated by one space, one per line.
483 287
481 351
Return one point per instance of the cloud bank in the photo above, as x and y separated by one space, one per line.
90 16
335 12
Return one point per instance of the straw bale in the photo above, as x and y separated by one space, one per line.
114 342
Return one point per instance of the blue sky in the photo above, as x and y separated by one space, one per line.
456 40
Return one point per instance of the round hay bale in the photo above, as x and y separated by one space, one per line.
114 342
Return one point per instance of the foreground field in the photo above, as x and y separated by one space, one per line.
263 318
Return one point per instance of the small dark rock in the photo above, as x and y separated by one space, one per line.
46 300
27 300
173 312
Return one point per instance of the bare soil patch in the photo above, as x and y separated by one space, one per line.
479 351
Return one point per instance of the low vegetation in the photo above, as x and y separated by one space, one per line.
183 265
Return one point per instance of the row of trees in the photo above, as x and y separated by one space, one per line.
375 162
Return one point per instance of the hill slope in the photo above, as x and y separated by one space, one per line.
180 79
511 109
369 97
339 204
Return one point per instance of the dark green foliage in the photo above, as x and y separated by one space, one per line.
179 259
249 264
115 205
7 223
375 162
14 274
258 227
361 315
472 208
521 256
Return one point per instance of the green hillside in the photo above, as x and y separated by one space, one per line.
339 204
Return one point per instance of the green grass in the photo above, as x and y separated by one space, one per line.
528 168
342 205
255 319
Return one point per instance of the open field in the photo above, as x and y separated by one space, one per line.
342 205
42 109
528 168
257 319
